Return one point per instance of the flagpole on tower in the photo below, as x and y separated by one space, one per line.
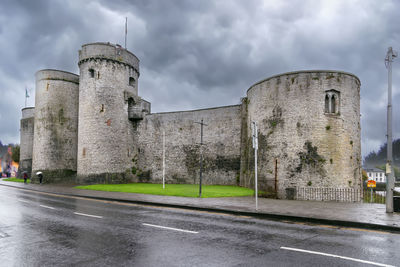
126 29
26 95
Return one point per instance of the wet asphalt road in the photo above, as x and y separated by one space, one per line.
38 229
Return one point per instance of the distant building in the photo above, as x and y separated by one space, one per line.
377 175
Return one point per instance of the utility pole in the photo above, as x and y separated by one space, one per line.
389 170
163 161
201 154
255 146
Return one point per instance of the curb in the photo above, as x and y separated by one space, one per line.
258 215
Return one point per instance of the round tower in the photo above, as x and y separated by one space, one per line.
26 140
108 88
56 125
309 131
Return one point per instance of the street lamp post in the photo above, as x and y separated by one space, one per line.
201 154
389 170
255 146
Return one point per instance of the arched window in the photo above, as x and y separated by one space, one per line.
326 103
332 102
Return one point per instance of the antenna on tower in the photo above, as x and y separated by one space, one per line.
126 29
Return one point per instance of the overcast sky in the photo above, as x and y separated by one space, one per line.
198 54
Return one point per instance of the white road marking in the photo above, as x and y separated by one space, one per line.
20 200
47 207
336 256
170 228
88 215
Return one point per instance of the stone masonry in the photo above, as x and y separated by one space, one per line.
26 139
56 123
221 149
95 128
107 89
301 142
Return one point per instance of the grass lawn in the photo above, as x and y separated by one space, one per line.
181 190
16 180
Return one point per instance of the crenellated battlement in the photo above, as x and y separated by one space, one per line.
108 52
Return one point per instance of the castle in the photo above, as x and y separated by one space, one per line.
94 128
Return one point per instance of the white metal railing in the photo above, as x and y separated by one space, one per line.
329 194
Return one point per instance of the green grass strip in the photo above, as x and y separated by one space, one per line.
16 180
181 190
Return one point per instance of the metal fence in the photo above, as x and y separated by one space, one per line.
377 196
329 194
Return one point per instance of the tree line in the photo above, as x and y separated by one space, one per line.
378 159
15 148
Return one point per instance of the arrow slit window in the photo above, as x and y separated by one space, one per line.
131 81
91 73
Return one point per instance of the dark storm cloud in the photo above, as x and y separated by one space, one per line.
197 54
37 35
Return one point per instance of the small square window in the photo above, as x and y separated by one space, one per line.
91 73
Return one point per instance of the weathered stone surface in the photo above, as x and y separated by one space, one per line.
56 121
221 150
308 128
108 83
110 53
26 140
299 143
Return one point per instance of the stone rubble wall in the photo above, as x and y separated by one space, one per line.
299 144
26 139
110 52
105 134
55 124
221 150
94 128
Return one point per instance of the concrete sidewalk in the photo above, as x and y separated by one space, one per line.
360 215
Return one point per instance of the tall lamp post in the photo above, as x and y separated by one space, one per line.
201 153
255 146
389 170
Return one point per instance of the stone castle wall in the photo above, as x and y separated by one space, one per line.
221 151
300 144
56 124
107 84
26 139
95 124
